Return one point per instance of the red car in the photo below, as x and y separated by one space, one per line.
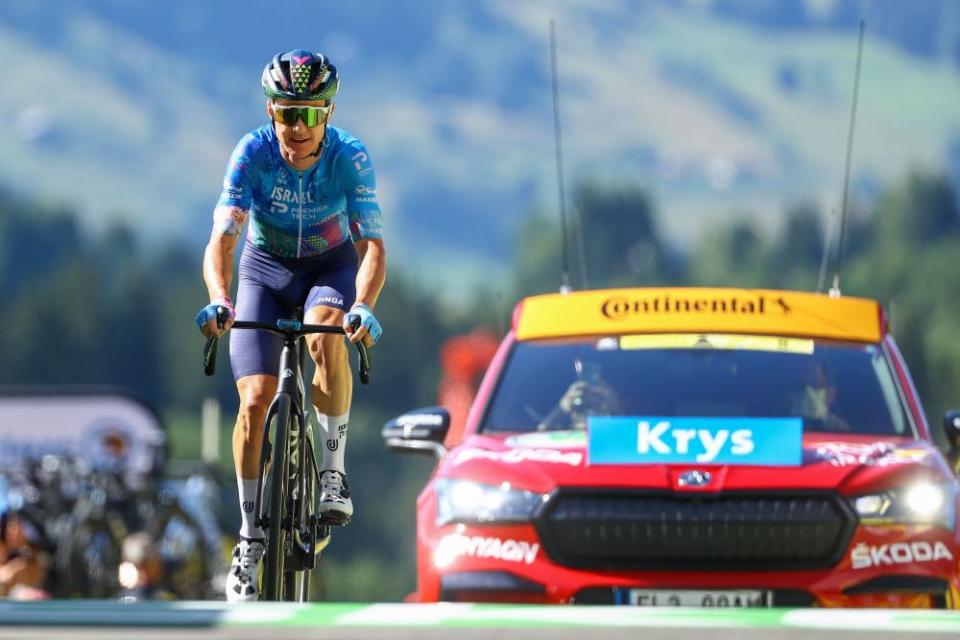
696 447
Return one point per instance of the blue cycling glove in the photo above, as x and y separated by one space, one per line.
209 312
367 319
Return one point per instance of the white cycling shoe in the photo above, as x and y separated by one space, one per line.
244 568
335 503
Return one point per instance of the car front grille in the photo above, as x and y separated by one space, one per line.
694 532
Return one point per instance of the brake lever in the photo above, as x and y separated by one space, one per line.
210 355
363 356
210 349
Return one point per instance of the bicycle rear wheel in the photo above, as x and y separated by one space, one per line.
275 574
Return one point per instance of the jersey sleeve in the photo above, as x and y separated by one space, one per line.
230 214
237 186
360 187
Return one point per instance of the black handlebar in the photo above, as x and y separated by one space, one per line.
291 329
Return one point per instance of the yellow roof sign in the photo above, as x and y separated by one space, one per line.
699 310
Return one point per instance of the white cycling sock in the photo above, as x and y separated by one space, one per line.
332 440
248 497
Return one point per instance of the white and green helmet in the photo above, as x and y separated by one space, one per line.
300 75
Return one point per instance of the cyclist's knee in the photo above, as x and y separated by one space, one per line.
329 353
324 315
256 393
327 347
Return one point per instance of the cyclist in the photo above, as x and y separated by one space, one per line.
314 241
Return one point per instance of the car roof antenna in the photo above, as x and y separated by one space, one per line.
835 288
561 191
827 243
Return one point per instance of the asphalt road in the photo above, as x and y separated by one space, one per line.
271 621
487 633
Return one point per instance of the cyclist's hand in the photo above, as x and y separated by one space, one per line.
369 330
207 317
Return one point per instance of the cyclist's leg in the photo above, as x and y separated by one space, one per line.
256 392
332 381
332 294
254 357
331 393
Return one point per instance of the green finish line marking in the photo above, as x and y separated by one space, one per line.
218 614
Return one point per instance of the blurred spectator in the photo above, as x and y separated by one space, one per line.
141 570
23 558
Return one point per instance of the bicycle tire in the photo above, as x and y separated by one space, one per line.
294 500
274 570
307 506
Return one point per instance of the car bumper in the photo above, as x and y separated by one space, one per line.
901 566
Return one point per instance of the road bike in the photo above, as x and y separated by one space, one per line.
296 533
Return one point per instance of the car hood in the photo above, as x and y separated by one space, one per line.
544 460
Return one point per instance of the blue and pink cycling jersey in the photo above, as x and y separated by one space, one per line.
297 214
299 251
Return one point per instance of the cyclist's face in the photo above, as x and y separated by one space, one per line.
298 141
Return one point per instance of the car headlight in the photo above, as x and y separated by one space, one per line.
467 501
922 502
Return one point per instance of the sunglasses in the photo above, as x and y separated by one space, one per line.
311 116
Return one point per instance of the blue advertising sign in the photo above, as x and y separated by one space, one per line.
654 440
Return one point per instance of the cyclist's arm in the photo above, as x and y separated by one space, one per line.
218 258
366 228
372 271
218 265
229 217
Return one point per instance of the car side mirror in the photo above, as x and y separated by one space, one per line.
951 424
418 431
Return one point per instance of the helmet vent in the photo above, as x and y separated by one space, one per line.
301 76
278 78
320 79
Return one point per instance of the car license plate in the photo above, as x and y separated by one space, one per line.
692 598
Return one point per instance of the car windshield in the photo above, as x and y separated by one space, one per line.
833 386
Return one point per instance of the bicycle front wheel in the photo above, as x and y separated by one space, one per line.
278 535
306 507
